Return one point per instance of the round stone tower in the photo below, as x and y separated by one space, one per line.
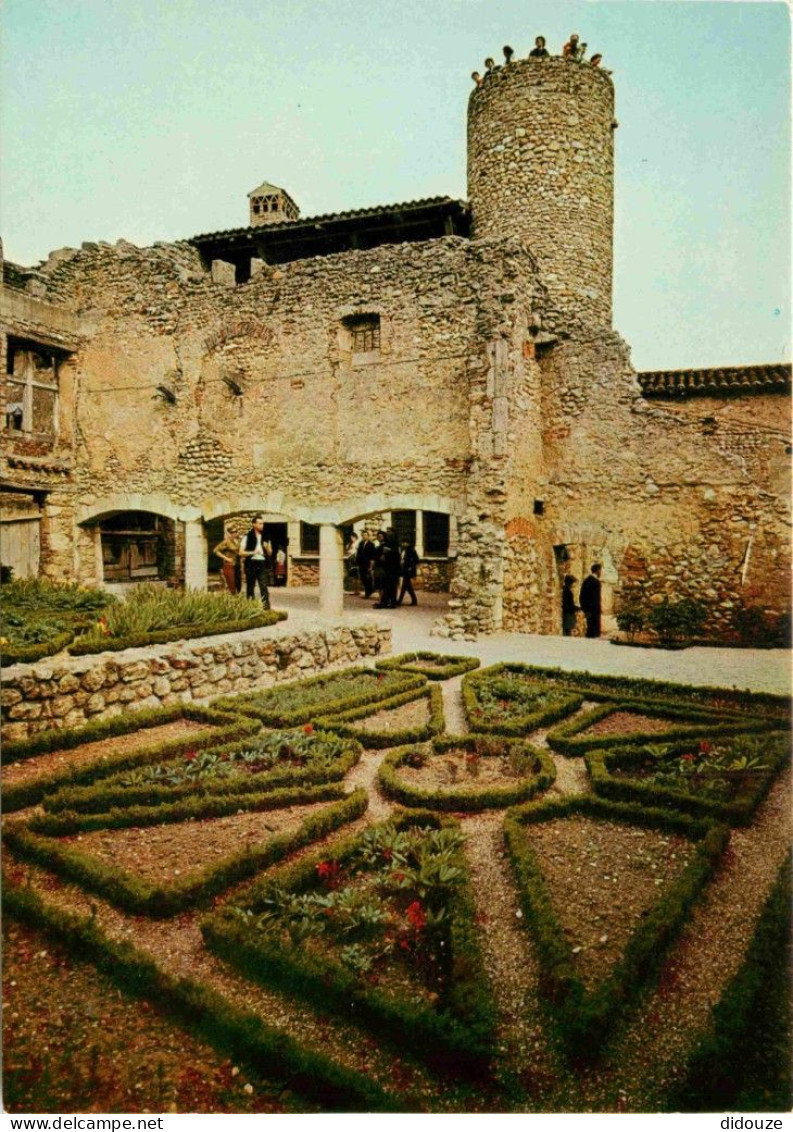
541 167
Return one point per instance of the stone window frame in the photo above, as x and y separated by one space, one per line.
23 378
353 320
309 551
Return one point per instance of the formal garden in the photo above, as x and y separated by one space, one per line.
421 885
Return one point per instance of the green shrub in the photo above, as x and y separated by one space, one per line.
681 620
570 737
457 1032
233 1032
583 1017
742 1062
341 723
502 701
282 759
132 894
226 728
441 667
631 619
752 784
40 618
536 773
319 697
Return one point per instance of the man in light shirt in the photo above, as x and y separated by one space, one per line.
254 552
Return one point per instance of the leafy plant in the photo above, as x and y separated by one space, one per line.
631 619
682 620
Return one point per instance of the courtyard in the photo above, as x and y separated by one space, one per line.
243 906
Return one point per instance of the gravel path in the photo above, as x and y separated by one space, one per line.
453 711
364 774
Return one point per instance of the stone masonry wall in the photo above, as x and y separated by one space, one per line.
541 167
67 693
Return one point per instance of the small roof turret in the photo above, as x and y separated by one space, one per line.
270 204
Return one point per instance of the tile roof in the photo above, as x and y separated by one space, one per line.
332 217
724 381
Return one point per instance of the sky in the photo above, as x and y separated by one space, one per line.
152 119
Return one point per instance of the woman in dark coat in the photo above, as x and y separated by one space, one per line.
389 564
569 608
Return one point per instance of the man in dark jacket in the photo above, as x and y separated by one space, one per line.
410 562
254 552
589 599
365 556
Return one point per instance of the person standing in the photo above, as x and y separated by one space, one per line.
590 600
569 608
410 562
571 48
540 51
388 569
280 567
365 556
228 552
254 552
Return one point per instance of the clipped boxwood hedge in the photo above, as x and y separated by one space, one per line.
88 646
378 739
264 705
459 1036
226 728
583 1017
240 1035
738 811
745 1025
467 797
658 692
109 793
29 654
519 725
448 667
132 894
568 738
196 807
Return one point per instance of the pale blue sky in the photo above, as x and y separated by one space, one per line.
151 120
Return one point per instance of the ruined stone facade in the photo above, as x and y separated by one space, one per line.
452 359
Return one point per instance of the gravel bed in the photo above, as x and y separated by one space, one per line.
453 711
100 749
413 714
626 722
170 852
602 877
451 770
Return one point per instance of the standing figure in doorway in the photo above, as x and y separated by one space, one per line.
569 608
410 562
280 567
365 556
254 552
591 601
228 552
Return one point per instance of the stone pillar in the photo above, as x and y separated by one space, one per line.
195 555
331 571
420 533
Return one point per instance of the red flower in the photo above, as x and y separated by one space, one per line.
309 729
705 747
688 758
387 854
404 944
415 914
190 756
328 870
399 877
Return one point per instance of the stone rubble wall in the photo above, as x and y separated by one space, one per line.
69 692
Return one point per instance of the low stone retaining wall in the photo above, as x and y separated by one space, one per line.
68 692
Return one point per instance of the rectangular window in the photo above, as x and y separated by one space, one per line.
364 333
436 534
32 397
404 523
309 538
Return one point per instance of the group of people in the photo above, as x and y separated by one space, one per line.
573 49
253 556
589 602
381 565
